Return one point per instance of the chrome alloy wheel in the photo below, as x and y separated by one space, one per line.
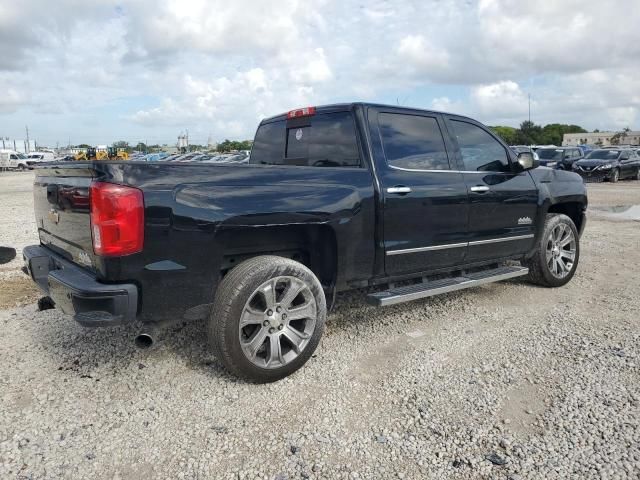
277 322
561 250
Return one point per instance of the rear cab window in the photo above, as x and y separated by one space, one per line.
319 140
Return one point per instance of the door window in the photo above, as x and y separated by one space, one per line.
480 151
412 142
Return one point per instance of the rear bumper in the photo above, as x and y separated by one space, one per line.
77 292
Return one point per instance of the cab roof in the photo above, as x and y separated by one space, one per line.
342 107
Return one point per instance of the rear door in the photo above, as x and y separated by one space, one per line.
503 203
425 201
628 161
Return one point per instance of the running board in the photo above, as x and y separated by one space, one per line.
436 287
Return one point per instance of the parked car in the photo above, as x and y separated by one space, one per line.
35 158
609 164
333 198
559 157
12 160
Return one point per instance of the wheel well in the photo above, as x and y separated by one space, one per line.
314 246
573 210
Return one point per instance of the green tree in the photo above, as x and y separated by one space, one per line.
508 134
141 147
83 145
529 133
553 133
233 145
619 137
122 144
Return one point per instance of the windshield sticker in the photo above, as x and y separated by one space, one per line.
299 134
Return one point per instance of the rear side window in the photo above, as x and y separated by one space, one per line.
323 140
412 142
480 151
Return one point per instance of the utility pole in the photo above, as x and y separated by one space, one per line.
28 144
529 108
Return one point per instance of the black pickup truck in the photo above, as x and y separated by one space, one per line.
333 198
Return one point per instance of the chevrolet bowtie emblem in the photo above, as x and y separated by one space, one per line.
54 216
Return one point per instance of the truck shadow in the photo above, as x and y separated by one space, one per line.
91 353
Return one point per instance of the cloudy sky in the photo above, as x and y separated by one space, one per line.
99 71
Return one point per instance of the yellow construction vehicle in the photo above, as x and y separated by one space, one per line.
86 155
111 153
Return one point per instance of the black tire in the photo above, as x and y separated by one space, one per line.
615 176
233 293
22 167
539 271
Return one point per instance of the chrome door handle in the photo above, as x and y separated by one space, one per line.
399 190
479 189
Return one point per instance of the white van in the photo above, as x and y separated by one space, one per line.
10 159
34 158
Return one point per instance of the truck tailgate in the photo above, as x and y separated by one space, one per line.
61 204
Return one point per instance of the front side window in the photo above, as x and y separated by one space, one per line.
412 142
323 140
480 151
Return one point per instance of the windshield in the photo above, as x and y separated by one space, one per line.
604 154
550 154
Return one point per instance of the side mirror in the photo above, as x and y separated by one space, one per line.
527 162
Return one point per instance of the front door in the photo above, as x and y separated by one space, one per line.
503 201
425 200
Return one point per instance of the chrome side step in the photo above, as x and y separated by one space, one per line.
436 287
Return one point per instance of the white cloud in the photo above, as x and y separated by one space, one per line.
503 99
445 104
311 68
11 100
218 67
422 53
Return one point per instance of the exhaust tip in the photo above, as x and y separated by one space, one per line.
144 341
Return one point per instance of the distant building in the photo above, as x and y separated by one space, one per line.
598 138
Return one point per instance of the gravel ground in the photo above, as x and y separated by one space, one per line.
504 381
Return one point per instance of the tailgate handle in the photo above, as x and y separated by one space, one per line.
52 194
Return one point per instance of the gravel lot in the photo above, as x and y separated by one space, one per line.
504 381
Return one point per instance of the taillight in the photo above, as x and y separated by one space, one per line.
302 112
117 219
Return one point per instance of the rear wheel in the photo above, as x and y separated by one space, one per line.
556 258
267 319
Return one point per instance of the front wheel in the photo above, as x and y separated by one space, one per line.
267 318
615 176
558 252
